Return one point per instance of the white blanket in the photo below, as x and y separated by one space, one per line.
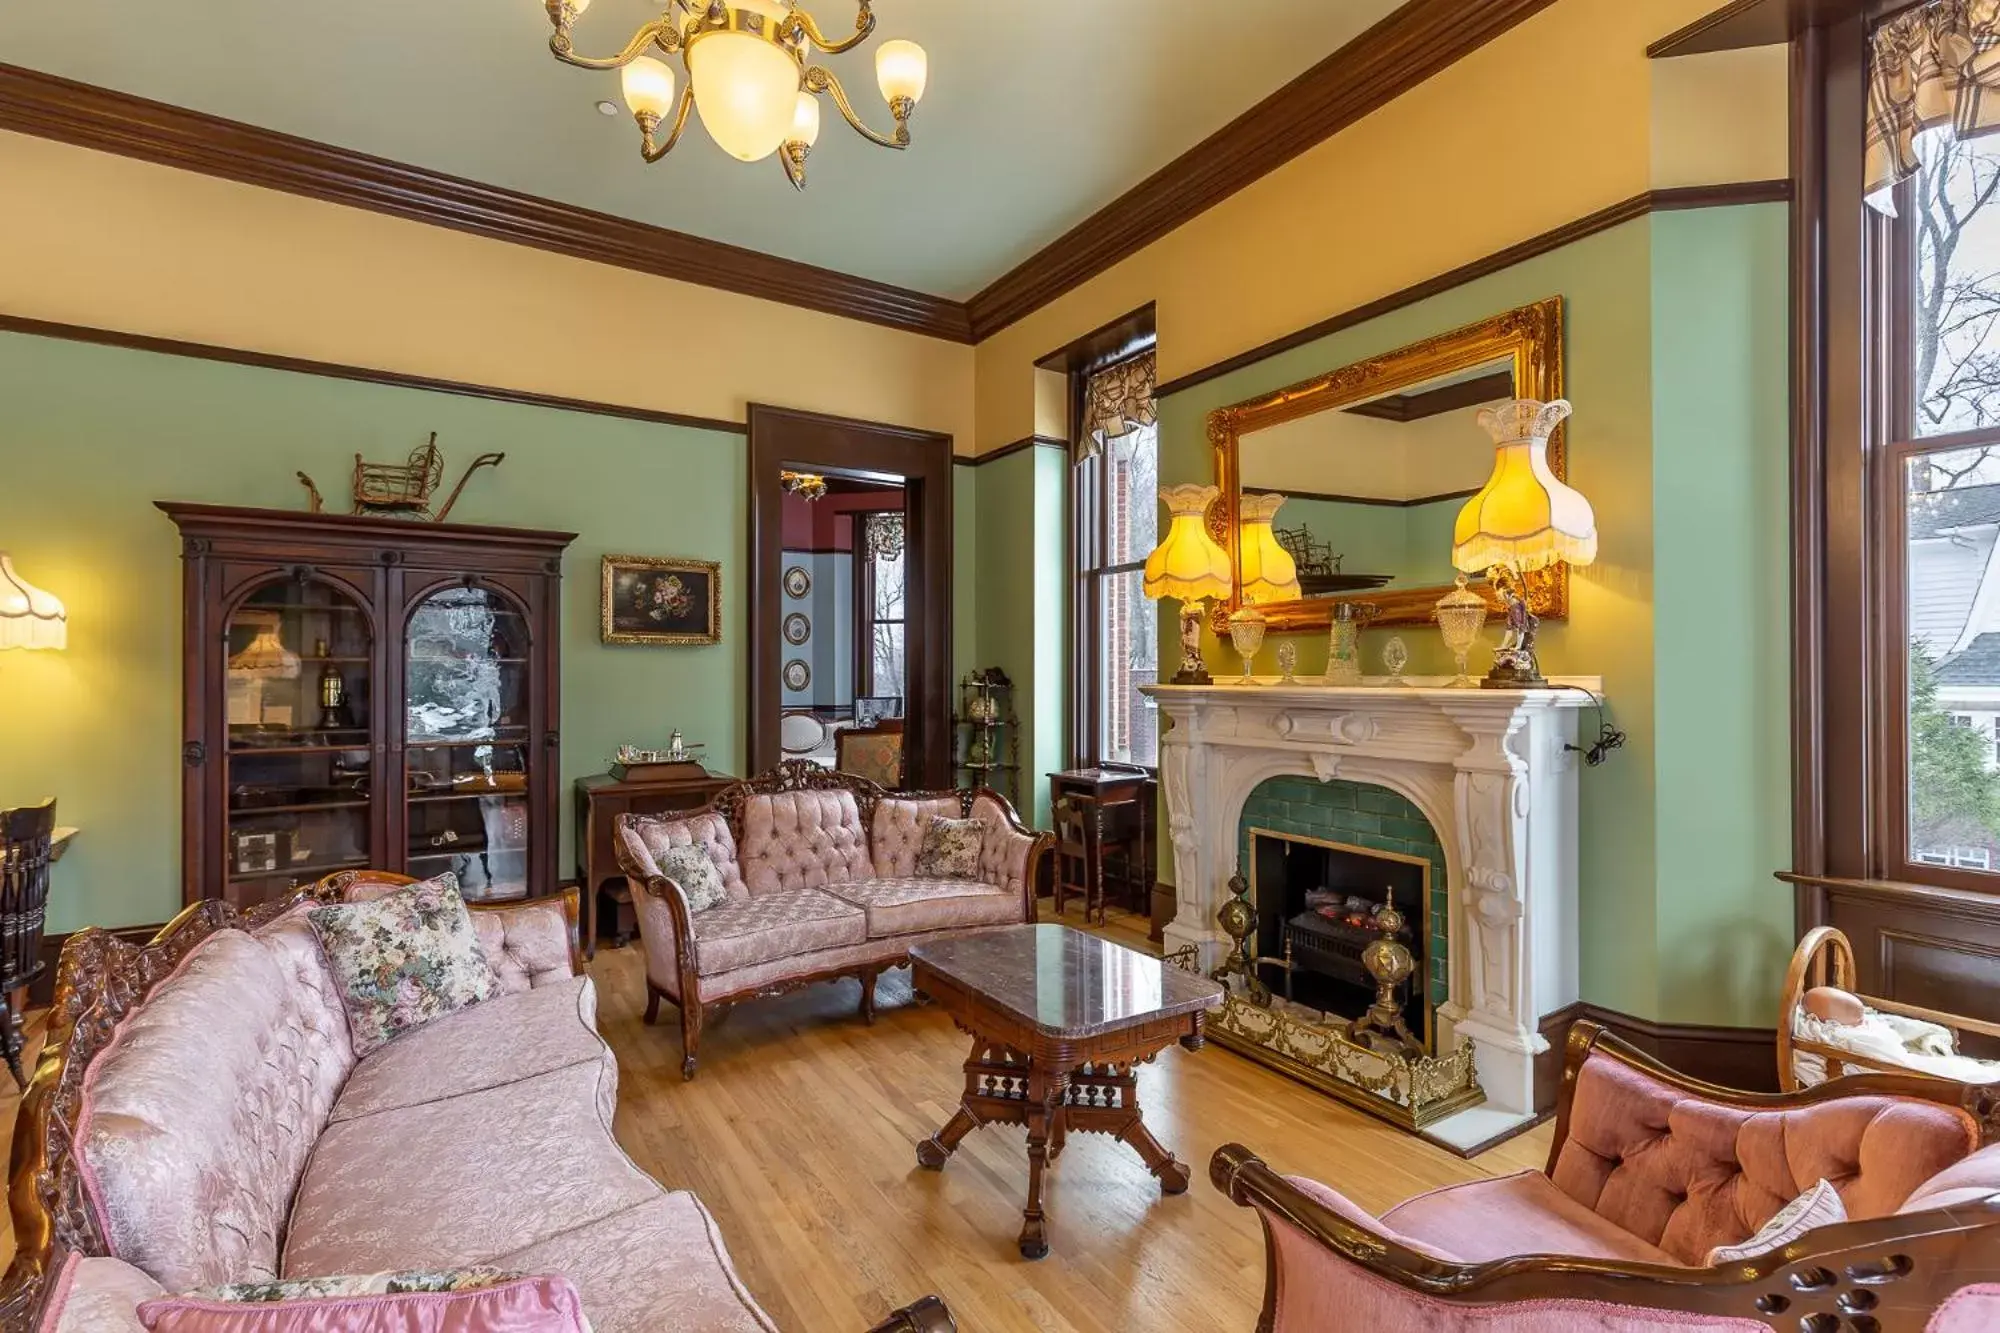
1910 1043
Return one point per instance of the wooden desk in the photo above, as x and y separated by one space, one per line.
1128 797
600 799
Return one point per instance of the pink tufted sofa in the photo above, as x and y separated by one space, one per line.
1648 1172
199 1117
820 872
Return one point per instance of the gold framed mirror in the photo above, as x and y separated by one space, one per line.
1375 459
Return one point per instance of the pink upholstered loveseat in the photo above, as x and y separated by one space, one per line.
1648 1172
198 1117
820 872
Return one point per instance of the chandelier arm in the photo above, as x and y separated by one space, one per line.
819 79
659 33
864 24
653 152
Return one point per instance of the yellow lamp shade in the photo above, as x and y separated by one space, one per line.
747 90
1269 572
1523 518
901 70
1187 565
266 655
29 617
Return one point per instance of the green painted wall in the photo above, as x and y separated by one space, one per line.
1721 611
1022 507
1680 918
92 436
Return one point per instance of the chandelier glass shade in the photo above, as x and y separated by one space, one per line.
750 75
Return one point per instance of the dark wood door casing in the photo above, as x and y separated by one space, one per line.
782 438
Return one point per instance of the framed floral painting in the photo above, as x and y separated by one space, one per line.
662 599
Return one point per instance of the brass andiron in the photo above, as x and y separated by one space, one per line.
1388 960
1238 919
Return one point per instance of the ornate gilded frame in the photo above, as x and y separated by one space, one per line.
1530 336
712 568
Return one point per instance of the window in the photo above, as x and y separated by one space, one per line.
879 591
1942 414
1115 498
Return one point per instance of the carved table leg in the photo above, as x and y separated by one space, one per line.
1045 1095
868 995
1172 1174
1058 1134
934 1151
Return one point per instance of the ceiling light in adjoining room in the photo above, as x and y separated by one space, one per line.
748 75
805 485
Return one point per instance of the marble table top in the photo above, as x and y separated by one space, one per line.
1066 983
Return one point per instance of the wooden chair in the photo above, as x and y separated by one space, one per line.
875 753
1080 853
26 838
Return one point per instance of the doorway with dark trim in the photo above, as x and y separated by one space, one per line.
859 453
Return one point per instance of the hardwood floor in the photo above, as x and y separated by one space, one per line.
800 1135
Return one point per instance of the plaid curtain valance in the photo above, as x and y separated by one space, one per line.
1934 66
1119 400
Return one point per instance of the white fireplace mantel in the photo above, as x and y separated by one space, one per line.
1488 769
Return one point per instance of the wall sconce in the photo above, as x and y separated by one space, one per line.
29 617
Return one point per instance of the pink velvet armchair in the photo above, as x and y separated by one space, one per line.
1649 1171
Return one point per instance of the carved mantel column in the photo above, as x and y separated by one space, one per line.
1489 770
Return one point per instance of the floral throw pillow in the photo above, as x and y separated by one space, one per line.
1819 1206
950 849
694 870
376 1303
403 959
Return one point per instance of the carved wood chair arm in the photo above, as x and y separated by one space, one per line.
929 1315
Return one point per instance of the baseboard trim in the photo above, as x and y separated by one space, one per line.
1733 1057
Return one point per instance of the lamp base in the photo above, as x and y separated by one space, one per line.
1193 671
1521 672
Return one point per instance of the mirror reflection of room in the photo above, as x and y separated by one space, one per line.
842 622
1372 489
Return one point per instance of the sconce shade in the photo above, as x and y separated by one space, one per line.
1269 572
1188 564
1523 517
29 617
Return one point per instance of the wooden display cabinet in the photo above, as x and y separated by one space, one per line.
367 692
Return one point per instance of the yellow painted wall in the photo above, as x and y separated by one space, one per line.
1542 126
116 243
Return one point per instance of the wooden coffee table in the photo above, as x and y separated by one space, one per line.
1058 1021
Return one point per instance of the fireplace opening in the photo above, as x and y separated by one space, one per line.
1316 911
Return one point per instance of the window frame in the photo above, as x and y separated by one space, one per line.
1089 522
1893 441
865 619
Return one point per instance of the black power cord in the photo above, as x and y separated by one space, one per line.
1609 738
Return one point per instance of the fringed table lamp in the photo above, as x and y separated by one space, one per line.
1523 519
1269 574
1191 568
29 617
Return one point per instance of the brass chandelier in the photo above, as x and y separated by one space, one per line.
749 74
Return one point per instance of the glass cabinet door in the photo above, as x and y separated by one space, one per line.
297 691
466 741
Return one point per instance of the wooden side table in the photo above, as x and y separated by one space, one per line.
650 790
1126 797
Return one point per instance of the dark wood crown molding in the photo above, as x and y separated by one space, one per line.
1626 210
1418 40
1746 23
139 342
41 104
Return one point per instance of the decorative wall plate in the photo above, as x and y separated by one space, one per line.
797 582
798 628
797 674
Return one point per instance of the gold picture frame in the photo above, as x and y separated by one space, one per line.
1530 336
661 600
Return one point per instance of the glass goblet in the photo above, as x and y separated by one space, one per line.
1246 635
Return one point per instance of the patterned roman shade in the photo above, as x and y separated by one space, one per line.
1931 67
1118 400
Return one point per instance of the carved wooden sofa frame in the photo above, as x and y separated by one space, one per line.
1887 1274
101 978
791 776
